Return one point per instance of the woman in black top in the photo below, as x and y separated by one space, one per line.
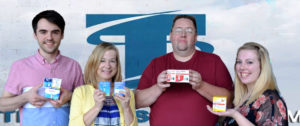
257 100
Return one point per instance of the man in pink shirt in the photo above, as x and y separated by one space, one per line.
26 76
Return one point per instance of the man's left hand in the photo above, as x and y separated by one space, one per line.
65 96
195 79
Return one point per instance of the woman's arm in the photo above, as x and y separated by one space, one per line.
90 116
238 117
128 105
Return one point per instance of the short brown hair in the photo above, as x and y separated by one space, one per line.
51 16
192 18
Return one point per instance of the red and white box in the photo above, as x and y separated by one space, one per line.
178 76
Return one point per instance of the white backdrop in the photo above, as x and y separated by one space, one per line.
273 23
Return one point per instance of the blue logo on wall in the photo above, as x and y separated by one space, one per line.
144 36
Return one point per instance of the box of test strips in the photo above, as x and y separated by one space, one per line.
119 86
105 87
52 88
178 76
219 103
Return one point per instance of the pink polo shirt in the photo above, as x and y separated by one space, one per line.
31 71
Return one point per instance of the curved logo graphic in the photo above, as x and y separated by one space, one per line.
139 37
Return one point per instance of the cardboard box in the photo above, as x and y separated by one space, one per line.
105 87
119 86
52 88
219 103
178 76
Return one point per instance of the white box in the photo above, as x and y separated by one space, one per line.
52 88
219 103
178 76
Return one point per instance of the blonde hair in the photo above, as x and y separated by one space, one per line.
91 67
266 79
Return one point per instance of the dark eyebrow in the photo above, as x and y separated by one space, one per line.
42 30
56 30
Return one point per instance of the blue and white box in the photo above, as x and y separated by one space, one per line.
105 87
119 86
52 88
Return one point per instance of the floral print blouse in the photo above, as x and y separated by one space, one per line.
268 110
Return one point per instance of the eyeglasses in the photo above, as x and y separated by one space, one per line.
179 31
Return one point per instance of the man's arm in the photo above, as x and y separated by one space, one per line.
146 97
208 90
9 101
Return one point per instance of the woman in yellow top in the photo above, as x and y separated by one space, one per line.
89 105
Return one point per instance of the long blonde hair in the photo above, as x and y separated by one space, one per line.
266 79
91 67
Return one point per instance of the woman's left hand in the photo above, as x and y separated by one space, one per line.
229 112
124 100
237 116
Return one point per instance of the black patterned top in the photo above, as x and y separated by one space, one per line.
268 110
